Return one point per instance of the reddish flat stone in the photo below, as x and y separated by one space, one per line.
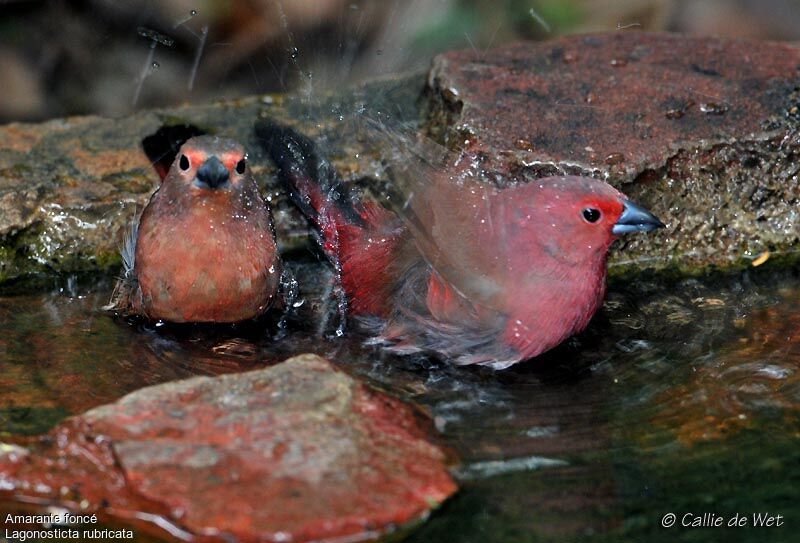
702 130
615 102
296 452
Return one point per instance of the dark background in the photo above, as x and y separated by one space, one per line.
62 58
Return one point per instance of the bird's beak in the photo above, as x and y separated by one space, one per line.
212 174
635 218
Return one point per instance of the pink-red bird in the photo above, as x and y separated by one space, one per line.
478 274
204 249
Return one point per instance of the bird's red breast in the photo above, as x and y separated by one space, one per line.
205 249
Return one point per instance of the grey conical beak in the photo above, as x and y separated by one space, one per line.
212 174
635 218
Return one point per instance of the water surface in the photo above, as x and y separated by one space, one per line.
682 397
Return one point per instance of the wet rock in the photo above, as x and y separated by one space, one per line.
70 187
296 452
704 131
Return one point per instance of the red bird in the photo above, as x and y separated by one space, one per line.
204 247
478 274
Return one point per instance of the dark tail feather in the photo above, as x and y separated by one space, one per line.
316 188
310 179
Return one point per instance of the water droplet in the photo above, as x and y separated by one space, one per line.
450 94
713 108
156 65
618 62
570 57
674 113
155 37
295 52
193 12
523 145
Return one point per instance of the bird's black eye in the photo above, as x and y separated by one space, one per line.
184 163
240 166
591 214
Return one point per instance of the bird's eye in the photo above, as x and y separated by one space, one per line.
184 163
591 214
240 166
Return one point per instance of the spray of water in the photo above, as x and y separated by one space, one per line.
150 64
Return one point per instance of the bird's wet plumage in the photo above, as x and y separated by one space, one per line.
203 249
478 274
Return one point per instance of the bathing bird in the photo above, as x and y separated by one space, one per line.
203 249
474 273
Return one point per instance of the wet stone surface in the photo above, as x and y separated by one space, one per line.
69 188
703 131
296 452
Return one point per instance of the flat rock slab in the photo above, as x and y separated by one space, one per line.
296 452
702 130
69 188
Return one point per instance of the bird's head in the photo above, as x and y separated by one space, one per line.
210 166
571 219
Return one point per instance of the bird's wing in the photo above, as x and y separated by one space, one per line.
447 212
465 338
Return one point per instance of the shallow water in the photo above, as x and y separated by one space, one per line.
682 397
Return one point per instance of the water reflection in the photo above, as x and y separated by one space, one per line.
674 385
753 377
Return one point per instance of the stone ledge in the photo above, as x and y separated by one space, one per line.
704 131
